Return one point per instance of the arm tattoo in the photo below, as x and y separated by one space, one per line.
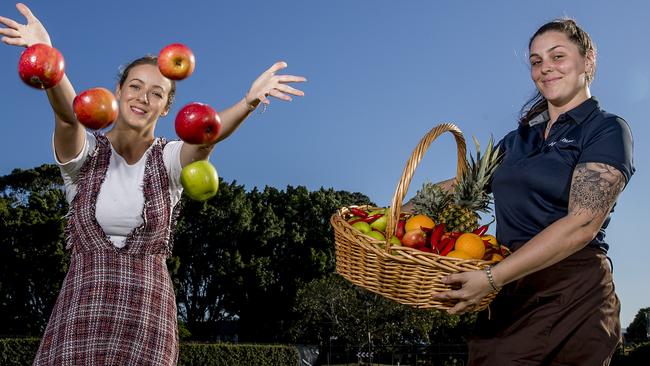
594 189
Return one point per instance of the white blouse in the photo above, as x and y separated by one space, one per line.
121 199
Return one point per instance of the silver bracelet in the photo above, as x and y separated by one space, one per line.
249 105
488 272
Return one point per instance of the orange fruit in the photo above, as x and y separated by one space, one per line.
490 239
419 221
471 244
496 257
459 254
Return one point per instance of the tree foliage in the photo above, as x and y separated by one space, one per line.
33 261
637 331
244 255
333 307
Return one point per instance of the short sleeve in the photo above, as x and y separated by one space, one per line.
611 143
172 160
70 170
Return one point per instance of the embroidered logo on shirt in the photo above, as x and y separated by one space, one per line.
563 140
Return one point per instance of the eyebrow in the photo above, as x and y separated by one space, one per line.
155 86
549 50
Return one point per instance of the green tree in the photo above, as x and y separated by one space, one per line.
33 260
332 306
637 331
210 269
244 255
301 249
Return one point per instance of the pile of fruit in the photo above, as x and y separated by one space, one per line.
421 232
445 220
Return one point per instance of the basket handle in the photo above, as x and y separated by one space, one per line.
411 164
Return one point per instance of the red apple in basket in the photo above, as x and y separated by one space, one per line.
176 61
198 123
95 108
400 231
41 66
414 238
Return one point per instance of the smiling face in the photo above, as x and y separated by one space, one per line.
143 96
559 69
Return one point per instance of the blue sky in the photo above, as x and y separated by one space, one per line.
380 75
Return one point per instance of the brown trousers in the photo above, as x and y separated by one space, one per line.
566 314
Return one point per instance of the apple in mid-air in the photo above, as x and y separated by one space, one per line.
95 108
176 61
198 123
200 180
41 66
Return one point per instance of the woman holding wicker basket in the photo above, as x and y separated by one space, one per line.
562 171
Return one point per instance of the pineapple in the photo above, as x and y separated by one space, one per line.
458 209
431 200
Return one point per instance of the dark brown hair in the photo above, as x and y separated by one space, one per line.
537 104
146 60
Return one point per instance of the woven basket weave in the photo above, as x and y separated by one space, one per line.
406 275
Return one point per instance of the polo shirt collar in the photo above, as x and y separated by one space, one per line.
584 110
578 114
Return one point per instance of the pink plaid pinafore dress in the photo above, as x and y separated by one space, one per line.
116 305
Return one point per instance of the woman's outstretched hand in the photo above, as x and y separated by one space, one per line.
270 84
25 35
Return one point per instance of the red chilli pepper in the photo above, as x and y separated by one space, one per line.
436 235
484 228
371 219
448 246
358 212
356 220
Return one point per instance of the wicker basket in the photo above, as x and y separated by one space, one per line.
406 275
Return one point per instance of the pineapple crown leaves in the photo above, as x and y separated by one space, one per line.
470 191
430 200
486 165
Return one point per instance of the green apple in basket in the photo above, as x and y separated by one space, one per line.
376 235
362 226
380 223
200 180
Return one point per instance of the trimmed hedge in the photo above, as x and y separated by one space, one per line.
217 354
18 351
21 351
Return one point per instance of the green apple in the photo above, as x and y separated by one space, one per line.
380 211
362 226
377 235
395 241
200 180
380 223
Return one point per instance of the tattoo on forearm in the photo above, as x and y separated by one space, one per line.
594 189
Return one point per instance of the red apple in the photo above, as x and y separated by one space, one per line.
399 233
95 108
198 123
414 238
41 66
176 61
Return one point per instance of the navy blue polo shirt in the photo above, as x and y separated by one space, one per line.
531 185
